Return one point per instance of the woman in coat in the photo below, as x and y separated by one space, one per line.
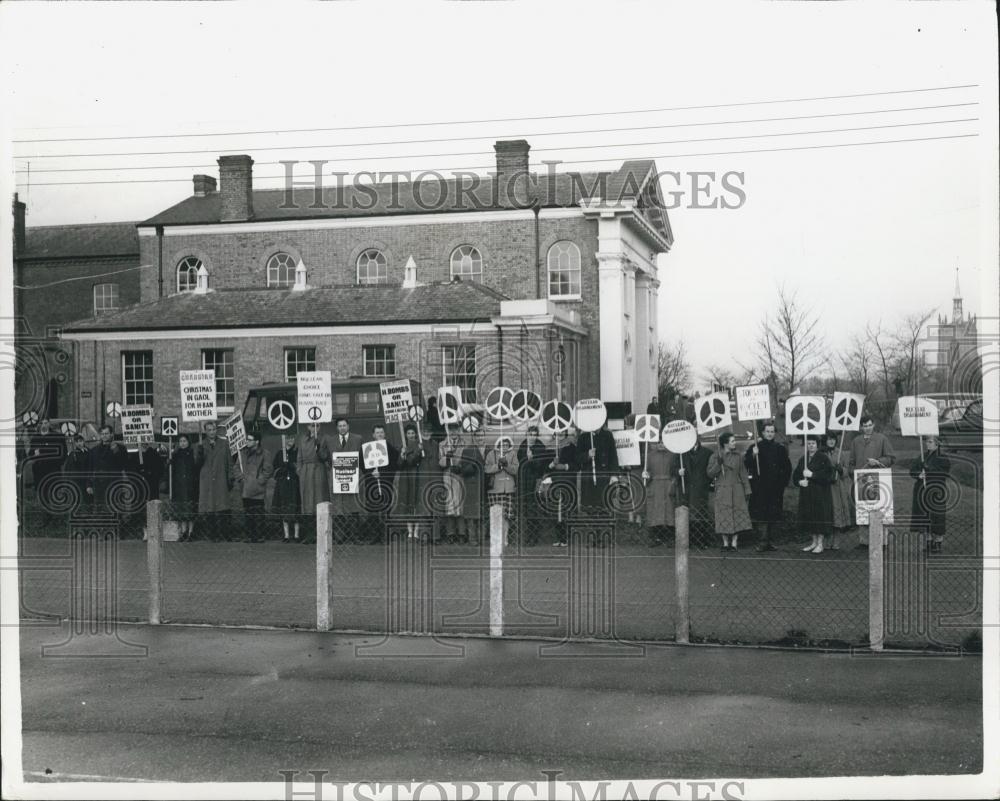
408 481
930 493
312 462
501 471
840 489
814 475
473 464
450 461
287 499
431 487
184 487
659 478
732 486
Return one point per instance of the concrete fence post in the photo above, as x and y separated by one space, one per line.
876 581
682 625
154 558
498 534
324 565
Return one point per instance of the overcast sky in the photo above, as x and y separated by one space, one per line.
861 232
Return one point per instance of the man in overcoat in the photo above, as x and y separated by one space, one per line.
770 469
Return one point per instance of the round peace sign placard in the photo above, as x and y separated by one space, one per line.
647 427
471 423
498 403
30 419
68 428
281 414
679 436
114 409
845 414
805 414
415 413
556 416
450 404
525 405
590 414
712 412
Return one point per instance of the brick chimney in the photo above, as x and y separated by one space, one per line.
513 181
19 212
236 177
204 185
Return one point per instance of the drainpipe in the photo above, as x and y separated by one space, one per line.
538 253
159 260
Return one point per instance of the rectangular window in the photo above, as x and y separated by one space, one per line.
137 377
367 402
225 376
459 363
299 359
105 298
380 360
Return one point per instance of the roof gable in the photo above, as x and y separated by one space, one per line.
81 241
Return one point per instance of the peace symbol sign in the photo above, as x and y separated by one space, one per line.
525 405
713 412
315 413
30 419
68 428
846 412
168 426
805 414
498 403
415 413
647 427
450 404
281 414
114 409
557 416
471 423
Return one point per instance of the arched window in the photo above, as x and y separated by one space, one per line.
280 271
467 264
564 270
187 274
373 267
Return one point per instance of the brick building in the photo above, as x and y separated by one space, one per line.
63 273
545 282
956 351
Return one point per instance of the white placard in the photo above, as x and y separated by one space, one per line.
375 453
236 433
198 395
873 492
647 427
346 470
137 426
712 412
627 445
805 415
917 416
753 402
168 426
315 400
679 436
590 414
845 411
397 398
450 405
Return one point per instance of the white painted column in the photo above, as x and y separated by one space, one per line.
644 382
611 276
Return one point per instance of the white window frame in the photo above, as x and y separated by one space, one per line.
307 363
571 252
220 406
381 267
277 263
472 253
386 360
132 398
191 265
467 381
100 292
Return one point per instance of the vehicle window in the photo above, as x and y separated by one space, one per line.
975 411
951 414
341 403
250 408
367 402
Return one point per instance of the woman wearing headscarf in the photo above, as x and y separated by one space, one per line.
813 476
312 462
732 486
287 500
184 487
840 489
930 494
408 481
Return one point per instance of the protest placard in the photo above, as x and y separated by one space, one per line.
918 417
712 412
198 395
137 426
376 454
314 398
236 433
873 492
753 402
397 397
346 469
627 445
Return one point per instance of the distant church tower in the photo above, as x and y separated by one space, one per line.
957 353
956 303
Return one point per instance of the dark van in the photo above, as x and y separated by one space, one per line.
357 399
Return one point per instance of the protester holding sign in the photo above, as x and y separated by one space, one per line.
693 491
74 467
287 502
257 469
930 494
105 465
149 471
501 468
732 486
661 478
813 478
433 420
344 507
769 468
408 481
450 461
215 481
430 486
184 487
533 459
564 483
312 464
600 459
378 491
46 453
841 494
869 450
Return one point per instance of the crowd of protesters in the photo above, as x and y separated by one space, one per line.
440 485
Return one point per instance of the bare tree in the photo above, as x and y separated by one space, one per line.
859 362
884 355
907 339
673 369
789 347
716 374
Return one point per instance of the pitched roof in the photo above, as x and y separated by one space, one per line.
81 241
329 306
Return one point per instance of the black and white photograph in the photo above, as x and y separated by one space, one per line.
500 400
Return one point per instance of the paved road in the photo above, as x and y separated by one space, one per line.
238 705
